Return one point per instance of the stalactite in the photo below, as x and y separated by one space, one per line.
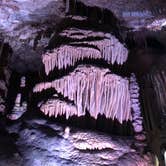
95 90
55 107
18 100
68 55
136 109
64 56
111 49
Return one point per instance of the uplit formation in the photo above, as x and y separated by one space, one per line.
95 90
107 47
90 88
82 82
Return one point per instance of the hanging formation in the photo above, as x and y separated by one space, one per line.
89 88
95 90
106 47
55 107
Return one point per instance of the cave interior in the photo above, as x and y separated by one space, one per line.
82 82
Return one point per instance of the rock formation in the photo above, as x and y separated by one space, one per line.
20 107
107 48
95 90
4 77
90 61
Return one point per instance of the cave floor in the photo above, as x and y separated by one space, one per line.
36 141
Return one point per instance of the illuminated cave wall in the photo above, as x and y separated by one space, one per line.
86 67
85 54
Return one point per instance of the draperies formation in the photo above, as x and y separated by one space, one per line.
92 89
88 88
107 47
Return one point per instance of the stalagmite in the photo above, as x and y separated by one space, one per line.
110 50
95 90
23 82
136 110
18 100
19 108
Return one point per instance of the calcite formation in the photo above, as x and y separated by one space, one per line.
95 90
107 48
88 88
20 107
135 104
55 107
137 119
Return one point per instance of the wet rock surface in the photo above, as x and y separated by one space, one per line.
35 141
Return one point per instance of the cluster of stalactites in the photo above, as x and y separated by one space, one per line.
136 109
95 90
110 50
55 107
67 56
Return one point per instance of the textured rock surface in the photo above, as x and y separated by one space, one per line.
4 76
41 142
153 96
28 25
94 89
134 14
31 25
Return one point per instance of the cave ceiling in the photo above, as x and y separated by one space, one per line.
29 25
